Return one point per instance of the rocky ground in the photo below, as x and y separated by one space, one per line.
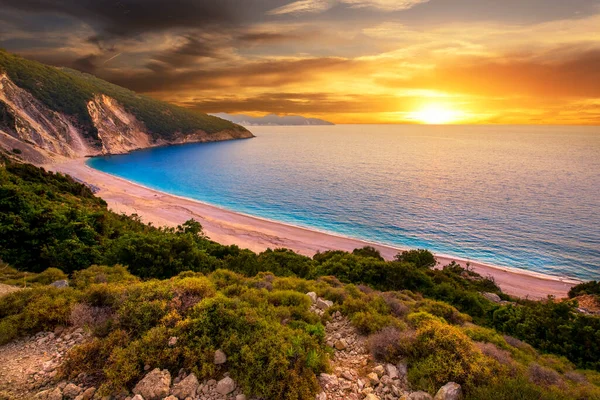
28 370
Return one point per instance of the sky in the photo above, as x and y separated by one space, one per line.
347 61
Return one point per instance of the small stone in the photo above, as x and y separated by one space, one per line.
220 357
171 398
56 394
187 387
313 297
155 385
379 370
450 391
240 397
137 397
63 283
71 391
323 304
371 396
340 344
88 393
373 378
225 386
493 297
321 396
419 396
172 341
391 371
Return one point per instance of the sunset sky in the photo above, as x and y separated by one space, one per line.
348 61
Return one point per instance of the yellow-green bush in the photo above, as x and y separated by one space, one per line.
102 274
443 353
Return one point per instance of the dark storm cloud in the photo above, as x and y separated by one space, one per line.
130 17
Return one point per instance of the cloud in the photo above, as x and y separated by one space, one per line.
318 6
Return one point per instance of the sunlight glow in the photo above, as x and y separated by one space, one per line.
436 114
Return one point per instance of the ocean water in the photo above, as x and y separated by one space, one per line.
517 196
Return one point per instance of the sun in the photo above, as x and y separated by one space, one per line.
435 114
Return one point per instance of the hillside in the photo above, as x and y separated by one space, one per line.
272 120
163 312
47 111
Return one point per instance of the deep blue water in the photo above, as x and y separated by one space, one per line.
525 197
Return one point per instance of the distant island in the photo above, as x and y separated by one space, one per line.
271 119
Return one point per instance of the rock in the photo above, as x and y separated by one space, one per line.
328 382
155 385
419 396
60 284
172 398
313 296
172 341
402 369
225 386
340 344
137 397
379 370
71 391
88 393
220 357
321 396
392 371
493 297
373 378
240 397
186 388
371 396
56 394
323 304
450 391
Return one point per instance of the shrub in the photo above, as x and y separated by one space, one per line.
492 351
368 251
390 344
48 276
420 258
397 307
95 319
543 376
102 274
441 354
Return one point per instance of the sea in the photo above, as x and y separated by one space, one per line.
526 197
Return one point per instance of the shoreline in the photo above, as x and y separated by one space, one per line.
257 233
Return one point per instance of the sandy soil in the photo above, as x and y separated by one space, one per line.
258 234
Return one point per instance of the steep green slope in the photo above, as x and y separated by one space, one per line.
68 91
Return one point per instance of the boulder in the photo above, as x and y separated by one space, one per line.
155 385
187 387
392 371
323 304
493 297
71 391
220 357
419 396
63 283
450 391
225 386
313 297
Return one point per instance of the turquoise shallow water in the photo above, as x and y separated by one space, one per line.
525 197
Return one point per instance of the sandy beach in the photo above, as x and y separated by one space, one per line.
258 234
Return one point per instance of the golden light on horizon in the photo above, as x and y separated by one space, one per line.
436 114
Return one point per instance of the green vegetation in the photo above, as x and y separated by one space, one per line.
134 286
68 91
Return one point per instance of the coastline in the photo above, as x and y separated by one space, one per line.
257 234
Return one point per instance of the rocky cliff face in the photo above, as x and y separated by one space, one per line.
40 134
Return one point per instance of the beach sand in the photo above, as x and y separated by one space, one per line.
257 234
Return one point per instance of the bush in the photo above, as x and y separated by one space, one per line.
543 376
102 274
441 354
390 344
419 258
